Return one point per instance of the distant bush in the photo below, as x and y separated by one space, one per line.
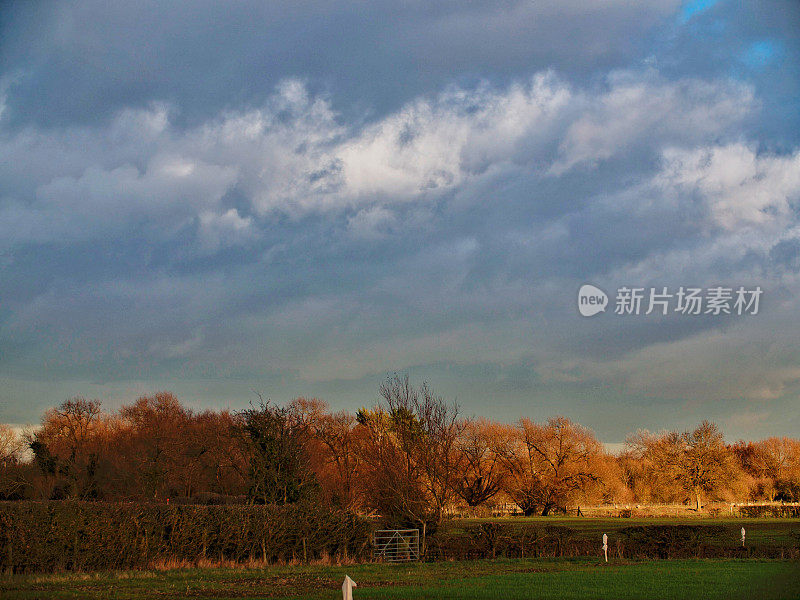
84 536
515 540
778 511
491 540
669 541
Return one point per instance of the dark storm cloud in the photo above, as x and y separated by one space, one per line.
79 62
302 196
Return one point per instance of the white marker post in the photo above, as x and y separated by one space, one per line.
347 588
605 546
742 537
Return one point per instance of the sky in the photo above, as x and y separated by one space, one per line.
299 198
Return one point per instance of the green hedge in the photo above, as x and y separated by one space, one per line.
758 511
85 536
673 541
513 540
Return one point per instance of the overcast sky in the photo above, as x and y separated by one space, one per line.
300 197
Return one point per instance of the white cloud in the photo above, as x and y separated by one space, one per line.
225 229
740 187
371 223
432 144
642 108
294 155
165 196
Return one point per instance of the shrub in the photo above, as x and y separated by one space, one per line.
758 511
84 536
513 540
670 541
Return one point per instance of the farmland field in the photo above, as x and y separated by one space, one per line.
485 579
574 577
771 531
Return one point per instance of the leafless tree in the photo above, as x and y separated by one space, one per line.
698 460
551 463
481 446
428 430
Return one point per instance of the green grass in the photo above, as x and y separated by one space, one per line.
769 531
507 579
546 578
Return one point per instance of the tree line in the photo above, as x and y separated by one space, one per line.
412 459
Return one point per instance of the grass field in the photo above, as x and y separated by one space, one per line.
542 578
487 579
777 532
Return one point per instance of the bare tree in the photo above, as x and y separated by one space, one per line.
777 460
481 445
550 464
66 449
340 448
11 446
12 481
393 477
428 430
157 445
698 460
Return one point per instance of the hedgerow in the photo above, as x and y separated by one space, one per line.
87 536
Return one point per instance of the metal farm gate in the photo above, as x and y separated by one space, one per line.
396 545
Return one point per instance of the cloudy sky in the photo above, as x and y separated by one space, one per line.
301 197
